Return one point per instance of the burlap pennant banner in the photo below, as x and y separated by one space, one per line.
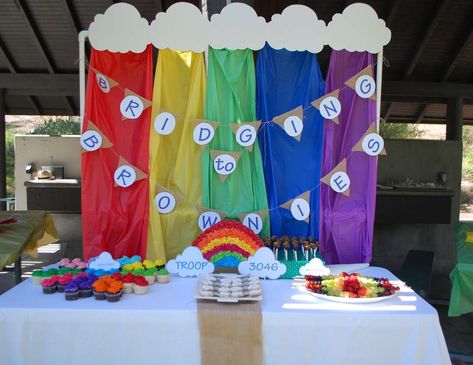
341 167
359 145
305 196
177 196
140 175
235 155
200 209
106 143
235 126
351 82
296 112
204 134
104 82
146 103
331 108
262 213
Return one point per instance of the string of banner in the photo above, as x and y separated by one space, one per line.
225 162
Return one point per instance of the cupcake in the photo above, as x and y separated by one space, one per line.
149 275
48 274
64 262
116 276
128 281
159 264
71 291
99 289
85 289
114 291
163 276
140 285
62 281
37 277
148 264
82 265
49 286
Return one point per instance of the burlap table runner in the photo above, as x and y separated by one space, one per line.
230 333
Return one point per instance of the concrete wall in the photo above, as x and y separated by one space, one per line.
44 150
421 161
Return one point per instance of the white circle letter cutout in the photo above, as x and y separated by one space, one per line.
373 144
102 83
246 135
330 107
300 209
365 86
203 133
164 123
293 125
224 164
91 140
208 219
340 182
165 202
254 222
131 107
125 176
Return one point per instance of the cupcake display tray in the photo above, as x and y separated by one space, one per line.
220 281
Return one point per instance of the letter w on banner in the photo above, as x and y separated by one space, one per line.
115 217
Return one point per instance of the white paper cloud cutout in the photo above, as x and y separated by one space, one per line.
103 261
237 27
190 263
182 27
120 29
314 267
297 29
358 28
263 257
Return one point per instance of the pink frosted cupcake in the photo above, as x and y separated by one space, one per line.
49 286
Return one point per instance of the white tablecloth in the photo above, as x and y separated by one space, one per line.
162 328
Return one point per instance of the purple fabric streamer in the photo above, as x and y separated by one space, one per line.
346 222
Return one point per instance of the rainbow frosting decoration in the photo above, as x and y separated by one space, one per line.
227 243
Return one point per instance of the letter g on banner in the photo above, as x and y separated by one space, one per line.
246 135
365 86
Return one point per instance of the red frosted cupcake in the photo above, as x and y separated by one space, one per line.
49 286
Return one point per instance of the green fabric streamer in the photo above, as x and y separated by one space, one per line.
231 99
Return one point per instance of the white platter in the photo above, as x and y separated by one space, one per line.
351 300
225 299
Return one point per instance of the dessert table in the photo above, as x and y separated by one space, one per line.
162 327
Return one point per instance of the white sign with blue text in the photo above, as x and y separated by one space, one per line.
262 264
190 263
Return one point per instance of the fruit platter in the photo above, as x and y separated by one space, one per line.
350 288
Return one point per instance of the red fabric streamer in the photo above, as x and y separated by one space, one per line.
115 219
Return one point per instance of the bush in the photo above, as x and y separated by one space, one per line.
58 126
399 131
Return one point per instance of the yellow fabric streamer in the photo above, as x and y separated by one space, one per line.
175 160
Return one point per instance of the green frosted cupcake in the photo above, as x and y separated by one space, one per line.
37 277
149 275
163 276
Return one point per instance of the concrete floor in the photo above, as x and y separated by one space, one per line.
458 331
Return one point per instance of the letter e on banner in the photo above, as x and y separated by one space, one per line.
125 176
246 135
102 83
91 140
373 144
300 209
224 164
164 123
340 182
293 125
365 86
165 202
254 222
330 107
208 219
203 133
131 107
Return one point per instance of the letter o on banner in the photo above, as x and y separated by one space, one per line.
254 222
246 135
293 125
208 219
203 133
340 182
91 140
131 107
330 107
102 83
164 123
365 86
300 209
165 202
224 164
125 176
373 144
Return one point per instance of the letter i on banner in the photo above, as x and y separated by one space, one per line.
338 179
93 139
292 122
299 207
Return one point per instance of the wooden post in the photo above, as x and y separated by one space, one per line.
3 145
455 119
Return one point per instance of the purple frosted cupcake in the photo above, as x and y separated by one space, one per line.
71 291
85 289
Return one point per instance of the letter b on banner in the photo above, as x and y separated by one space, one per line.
91 141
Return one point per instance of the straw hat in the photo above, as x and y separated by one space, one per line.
45 175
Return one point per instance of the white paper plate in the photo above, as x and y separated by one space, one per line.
225 299
351 300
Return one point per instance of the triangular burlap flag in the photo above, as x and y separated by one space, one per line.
106 143
140 175
146 103
196 122
368 70
200 209
216 153
316 103
262 213
255 125
342 166
305 195
298 112
178 196
359 144
111 82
